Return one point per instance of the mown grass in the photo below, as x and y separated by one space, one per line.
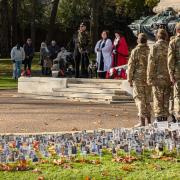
144 168
6 81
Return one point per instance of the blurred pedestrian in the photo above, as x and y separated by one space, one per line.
137 77
53 50
17 56
82 59
103 50
45 59
158 76
29 53
174 69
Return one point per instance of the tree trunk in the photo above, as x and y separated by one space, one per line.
52 20
14 23
33 26
94 29
4 30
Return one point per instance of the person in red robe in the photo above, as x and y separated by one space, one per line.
120 50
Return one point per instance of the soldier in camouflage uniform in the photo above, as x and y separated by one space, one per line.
171 99
137 77
82 60
171 105
174 69
158 76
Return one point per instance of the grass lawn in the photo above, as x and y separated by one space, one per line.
105 169
144 168
6 81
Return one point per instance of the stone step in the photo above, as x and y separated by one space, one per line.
121 102
99 101
96 101
95 85
91 91
103 101
81 81
92 96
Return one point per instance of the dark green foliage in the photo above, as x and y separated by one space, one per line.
20 19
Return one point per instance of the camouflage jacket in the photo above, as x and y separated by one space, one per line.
174 57
157 73
83 41
137 65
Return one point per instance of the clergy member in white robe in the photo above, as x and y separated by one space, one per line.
103 50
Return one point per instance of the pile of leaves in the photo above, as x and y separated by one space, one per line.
22 165
125 159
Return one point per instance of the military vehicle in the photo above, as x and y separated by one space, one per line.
150 24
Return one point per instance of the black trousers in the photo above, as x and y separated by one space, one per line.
102 75
28 63
81 61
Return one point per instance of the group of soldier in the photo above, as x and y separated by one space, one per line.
156 72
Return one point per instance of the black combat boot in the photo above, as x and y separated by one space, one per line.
173 119
159 119
164 118
141 122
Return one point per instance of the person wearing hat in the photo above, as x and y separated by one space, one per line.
158 76
120 50
137 76
82 59
174 69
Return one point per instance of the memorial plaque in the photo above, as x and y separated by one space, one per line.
174 126
161 125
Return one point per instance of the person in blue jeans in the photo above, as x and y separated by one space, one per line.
17 56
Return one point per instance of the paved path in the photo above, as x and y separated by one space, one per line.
23 115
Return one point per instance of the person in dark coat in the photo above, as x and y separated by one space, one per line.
76 55
29 54
53 50
46 63
82 42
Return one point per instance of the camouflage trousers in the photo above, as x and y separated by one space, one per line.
171 101
161 95
177 100
142 97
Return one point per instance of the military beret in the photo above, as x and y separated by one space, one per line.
142 38
142 35
162 33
